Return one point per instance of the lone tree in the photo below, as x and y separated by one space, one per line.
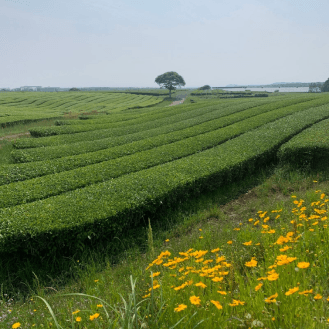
170 80
325 86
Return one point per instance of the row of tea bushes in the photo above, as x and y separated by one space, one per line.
180 113
209 131
199 125
129 158
138 124
104 209
308 149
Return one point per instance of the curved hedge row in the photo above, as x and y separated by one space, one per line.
138 124
213 120
183 113
103 209
308 149
44 187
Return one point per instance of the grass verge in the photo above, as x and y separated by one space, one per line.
205 223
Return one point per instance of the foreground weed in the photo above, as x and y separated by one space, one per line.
270 273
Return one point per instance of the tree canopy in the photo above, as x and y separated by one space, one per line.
325 86
205 87
170 80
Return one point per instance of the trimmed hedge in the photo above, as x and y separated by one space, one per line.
308 149
213 120
138 124
43 187
104 209
182 112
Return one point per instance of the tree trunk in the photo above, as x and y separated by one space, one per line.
170 93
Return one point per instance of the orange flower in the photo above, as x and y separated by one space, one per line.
180 307
291 291
94 316
271 299
195 300
217 304
258 286
252 263
303 265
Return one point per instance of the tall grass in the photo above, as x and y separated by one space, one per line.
229 296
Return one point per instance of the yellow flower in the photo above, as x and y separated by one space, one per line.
78 319
303 265
76 312
217 304
200 229
180 307
273 276
153 275
271 299
200 237
94 316
291 291
16 325
229 242
99 305
236 303
215 250
247 243
317 296
96 280
273 319
217 279
306 292
256 222
236 229
250 219
200 284
315 181
195 300
258 286
252 263
222 292
285 248
155 287
148 295
167 240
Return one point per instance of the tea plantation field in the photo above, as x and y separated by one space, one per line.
91 179
22 107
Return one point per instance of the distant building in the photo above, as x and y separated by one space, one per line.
50 89
30 88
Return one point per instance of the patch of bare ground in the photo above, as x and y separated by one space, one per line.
177 102
9 137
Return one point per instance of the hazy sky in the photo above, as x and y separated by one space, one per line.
66 43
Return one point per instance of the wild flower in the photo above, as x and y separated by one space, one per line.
258 286
94 316
217 304
292 291
236 302
271 299
303 265
180 307
195 300
251 263
16 325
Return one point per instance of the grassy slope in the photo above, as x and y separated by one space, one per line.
216 214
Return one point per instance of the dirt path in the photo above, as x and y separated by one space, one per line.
14 136
177 102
